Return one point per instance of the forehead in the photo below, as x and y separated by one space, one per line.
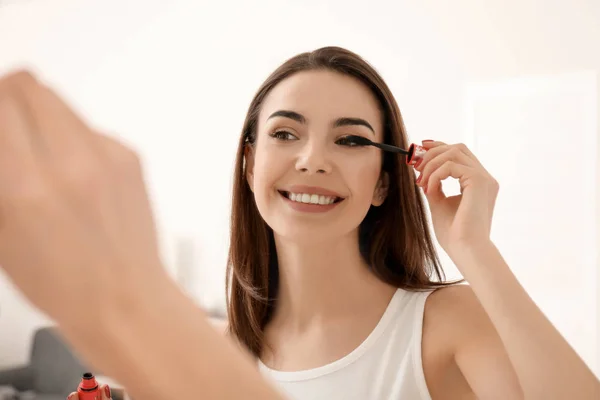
322 96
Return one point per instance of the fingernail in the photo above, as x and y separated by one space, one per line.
428 140
107 391
418 163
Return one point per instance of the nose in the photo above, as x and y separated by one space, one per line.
313 159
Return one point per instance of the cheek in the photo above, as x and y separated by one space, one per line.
364 176
268 167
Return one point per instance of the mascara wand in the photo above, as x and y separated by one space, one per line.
413 154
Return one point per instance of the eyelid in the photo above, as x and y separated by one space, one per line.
285 129
292 136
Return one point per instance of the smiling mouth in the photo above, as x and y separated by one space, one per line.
308 198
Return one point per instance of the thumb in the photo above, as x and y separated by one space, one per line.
434 195
73 396
105 390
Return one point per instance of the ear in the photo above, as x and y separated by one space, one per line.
381 190
249 161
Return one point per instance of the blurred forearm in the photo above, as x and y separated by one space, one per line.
168 350
546 365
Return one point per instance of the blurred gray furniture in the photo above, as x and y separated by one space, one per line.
54 371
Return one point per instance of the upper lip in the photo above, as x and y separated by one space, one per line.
311 190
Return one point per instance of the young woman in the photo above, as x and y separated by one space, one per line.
335 288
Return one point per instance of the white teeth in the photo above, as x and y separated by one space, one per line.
311 198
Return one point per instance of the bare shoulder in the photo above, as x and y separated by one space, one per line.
452 301
455 311
454 293
445 312
459 340
442 334
462 316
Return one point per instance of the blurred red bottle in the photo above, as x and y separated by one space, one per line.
89 389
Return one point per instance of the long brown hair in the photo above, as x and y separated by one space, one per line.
394 238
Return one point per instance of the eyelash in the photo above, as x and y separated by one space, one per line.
278 135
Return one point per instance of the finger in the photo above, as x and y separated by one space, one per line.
105 390
443 148
430 144
434 148
8 81
73 396
416 152
15 86
126 167
445 154
465 149
18 164
16 124
449 169
17 158
60 131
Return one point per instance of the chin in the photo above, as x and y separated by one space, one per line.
305 233
311 232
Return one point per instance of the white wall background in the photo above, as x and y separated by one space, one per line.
513 79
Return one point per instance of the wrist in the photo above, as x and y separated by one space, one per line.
115 327
145 297
167 349
134 329
476 257
472 249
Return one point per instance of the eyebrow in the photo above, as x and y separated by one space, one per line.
344 121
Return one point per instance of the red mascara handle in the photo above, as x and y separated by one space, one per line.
415 153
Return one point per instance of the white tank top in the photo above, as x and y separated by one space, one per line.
386 366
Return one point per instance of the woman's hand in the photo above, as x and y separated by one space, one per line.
78 238
76 229
464 219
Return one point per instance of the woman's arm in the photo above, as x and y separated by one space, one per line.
168 350
545 365
78 238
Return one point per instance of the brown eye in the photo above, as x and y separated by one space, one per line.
283 135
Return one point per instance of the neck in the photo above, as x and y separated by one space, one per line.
323 281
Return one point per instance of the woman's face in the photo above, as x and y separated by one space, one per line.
309 184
